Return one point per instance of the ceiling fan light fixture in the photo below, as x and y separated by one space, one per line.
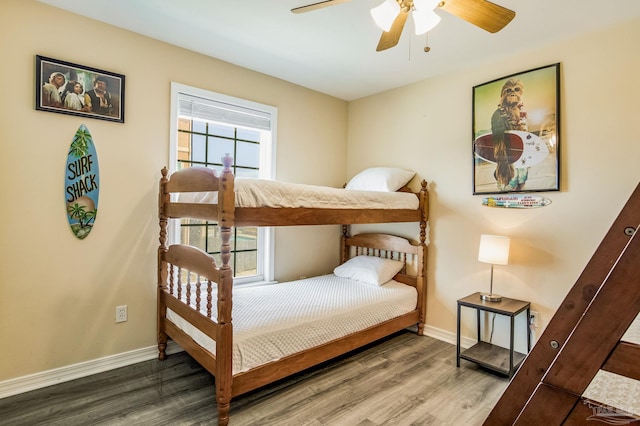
424 17
425 4
424 20
384 14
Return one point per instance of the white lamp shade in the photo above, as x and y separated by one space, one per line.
384 14
494 249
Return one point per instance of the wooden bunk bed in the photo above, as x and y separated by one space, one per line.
590 336
196 295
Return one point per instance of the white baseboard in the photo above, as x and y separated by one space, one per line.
83 369
71 372
447 336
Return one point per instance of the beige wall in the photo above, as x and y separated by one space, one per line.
427 127
58 294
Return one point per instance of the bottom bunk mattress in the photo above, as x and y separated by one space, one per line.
273 321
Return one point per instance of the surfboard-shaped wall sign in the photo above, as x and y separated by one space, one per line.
516 201
82 183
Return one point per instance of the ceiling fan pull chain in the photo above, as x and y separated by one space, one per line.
426 43
410 46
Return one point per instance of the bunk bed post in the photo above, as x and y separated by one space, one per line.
163 198
423 250
518 397
421 285
224 338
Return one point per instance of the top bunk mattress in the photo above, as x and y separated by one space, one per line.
273 321
275 194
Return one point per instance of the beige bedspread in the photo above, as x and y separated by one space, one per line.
269 193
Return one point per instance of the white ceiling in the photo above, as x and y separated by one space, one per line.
332 50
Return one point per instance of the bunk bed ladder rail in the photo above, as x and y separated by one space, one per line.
583 336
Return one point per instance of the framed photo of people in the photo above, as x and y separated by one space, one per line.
67 88
516 133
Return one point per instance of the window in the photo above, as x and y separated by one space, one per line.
205 126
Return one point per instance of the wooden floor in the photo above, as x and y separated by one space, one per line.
404 380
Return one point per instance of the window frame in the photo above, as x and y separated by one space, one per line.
266 237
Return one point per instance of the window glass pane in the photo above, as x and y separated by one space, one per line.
246 238
199 126
193 236
245 263
247 173
199 148
248 154
249 135
213 239
218 147
221 130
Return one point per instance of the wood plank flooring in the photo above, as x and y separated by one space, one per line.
403 380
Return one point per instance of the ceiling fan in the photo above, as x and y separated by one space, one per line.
391 15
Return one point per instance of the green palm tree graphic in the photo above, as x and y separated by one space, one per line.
79 148
81 141
84 217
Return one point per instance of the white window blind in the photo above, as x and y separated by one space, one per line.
214 110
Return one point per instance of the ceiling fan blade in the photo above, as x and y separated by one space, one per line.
481 13
319 5
390 38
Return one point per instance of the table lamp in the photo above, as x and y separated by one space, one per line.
494 249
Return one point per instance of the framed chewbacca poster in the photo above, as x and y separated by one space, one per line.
516 129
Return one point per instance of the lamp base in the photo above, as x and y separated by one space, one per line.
489 297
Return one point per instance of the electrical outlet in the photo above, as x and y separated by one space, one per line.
121 313
533 319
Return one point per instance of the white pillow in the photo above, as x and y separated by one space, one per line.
369 269
387 179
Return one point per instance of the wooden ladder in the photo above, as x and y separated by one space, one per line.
583 336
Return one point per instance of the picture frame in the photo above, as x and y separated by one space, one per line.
67 88
516 133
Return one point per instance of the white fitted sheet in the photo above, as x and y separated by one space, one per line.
269 193
273 321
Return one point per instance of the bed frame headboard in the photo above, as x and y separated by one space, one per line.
411 253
